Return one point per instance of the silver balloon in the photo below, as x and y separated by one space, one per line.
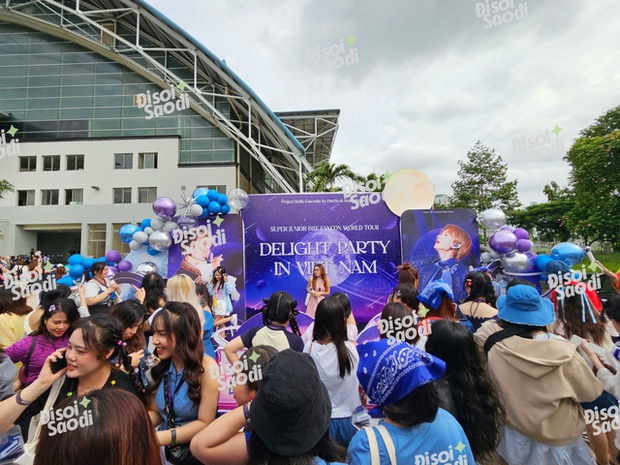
238 199
186 222
170 226
147 267
493 218
160 241
149 230
157 223
486 257
195 210
135 245
516 262
140 237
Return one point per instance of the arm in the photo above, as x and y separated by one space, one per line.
221 443
615 281
99 298
222 321
232 348
18 351
154 414
586 387
83 309
327 288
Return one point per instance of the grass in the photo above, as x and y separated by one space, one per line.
610 260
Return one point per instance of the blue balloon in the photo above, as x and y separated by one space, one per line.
76 271
200 191
225 209
88 262
541 261
568 252
215 208
66 280
100 259
212 194
203 200
125 234
146 223
151 251
205 213
222 199
75 259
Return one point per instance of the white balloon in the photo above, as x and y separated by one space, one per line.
195 210
135 245
170 226
157 223
149 230
238 199
493 218
140 236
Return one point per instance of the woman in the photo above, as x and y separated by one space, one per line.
184 393
398 322
180 288
406 294
117 432
479 305
12 316
344 301
278 312
541 379
407 274
336 360
52 334
438 302
318 288
399 378
221 442
220 290
154 292
100 293
466 390
131 315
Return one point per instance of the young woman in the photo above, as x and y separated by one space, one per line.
154 292
438 301
466 390
344 301
180 288
399 322
278 312
479 305
184 392
336 360
12 316
221 442
117 431
399 378
407 274
132 316
406 294
100 293
52 334
220 290
318 288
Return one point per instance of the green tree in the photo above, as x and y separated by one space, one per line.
482 183
326 175
5 186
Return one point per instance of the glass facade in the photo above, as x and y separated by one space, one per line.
55 89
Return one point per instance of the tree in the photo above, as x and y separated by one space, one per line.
5 186
326 174
482 183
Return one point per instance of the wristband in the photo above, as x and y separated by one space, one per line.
173 437
246 413
21 401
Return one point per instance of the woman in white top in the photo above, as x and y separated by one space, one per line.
336 359
100 293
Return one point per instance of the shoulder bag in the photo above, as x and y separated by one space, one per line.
373 444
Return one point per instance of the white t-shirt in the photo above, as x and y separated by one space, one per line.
343 393
351 333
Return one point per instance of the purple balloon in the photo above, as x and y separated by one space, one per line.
507 228
164 207
113 256
524 245
124 265
521 234
532 256
503 241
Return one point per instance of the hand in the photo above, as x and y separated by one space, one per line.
140 294
136 357
46 377
596 361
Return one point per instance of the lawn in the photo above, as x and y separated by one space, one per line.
610 260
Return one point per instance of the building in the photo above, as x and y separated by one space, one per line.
106 105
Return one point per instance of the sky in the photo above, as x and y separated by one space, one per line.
419 82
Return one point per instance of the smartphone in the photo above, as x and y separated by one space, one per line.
360 417
59 364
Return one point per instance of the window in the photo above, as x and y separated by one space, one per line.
49 197
221 189
25 198
74 196
96 240
123 161
147 161
122 195
116 242
51 163
27 163
75 162
147 194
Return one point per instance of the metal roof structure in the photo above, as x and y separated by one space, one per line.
134 34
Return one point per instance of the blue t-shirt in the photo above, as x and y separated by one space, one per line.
185 409
442 441
207 333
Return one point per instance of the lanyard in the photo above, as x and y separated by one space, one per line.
169 400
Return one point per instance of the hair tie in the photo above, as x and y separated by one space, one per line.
122 343
52 308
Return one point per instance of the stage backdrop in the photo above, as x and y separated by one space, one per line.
287 234
441 244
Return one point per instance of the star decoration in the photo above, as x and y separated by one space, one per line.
12 131
186 204
351 40
387 175
254 357
592 266
218 221
181 86
85 402
460 446
423 311
556 130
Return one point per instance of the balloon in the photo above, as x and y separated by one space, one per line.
112 270
164 207
66 280
76 271
100 259
521 233
195 210
503 241
203 200
532 258
109 263
492 218
157 223
524 245
125 234
238 199
225 209
569 252
486 257
186 222
507 228
170 226
149 230
205 212
160 241
214 207
140 237
222 199
212 194
146 222
516 262
88 262
75 259
135 245
152 251
124 265
113 256
200 191
541 261
147 267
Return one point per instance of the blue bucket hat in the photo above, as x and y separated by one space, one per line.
433 292
523 305
389 370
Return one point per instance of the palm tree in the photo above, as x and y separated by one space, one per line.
324 176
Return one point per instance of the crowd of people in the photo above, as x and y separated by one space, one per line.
514 379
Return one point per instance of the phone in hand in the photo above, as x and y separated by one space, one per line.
59 364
